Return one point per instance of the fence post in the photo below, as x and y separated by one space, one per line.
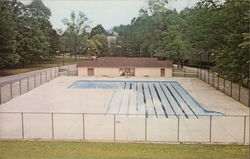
11 93
248 97
34 81
244 135
22 126
201 74
239 92
52 125
0 95
40 78
218 86
58 71
210 129
83 126
114 128
46 75
213 79
50 74
28 83
231 88
146 127
68 71
197 72
178 129
224 89
20 86
208 77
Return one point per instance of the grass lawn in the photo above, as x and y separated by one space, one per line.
38 66
91 150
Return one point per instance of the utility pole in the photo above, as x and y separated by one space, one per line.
64 49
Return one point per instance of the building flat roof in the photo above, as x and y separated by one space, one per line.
124 62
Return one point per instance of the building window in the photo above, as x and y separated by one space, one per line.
127 71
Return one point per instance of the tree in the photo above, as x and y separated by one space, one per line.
33 32
76 31
92 48
233 54
157 6
102 44
54 41
98 30
7 36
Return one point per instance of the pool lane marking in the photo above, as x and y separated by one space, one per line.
149 102
180 101
166 103
144 99
136 88
175 107
115 103
187 99
157 103
129 97
132 102
152 100
161 102
109 103
175 101
141 100
184 100
125 100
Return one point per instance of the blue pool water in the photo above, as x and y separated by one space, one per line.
152 98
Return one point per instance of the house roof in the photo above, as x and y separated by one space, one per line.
124 62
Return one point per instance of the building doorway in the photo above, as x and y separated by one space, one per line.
90 71
162 72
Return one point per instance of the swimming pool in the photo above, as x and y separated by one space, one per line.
150 98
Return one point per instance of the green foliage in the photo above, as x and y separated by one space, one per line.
54 40
92 47
7 35
98 30
76 32
210 32
24 31
102 44
222 29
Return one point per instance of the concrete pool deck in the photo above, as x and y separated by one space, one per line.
55 97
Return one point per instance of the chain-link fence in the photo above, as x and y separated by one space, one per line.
231 89
69 70
118 127
184 71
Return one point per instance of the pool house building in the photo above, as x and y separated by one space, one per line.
125 66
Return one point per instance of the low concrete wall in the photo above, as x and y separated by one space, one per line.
5 93
244 95
15 87
16 91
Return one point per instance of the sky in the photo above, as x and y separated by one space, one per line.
109 13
